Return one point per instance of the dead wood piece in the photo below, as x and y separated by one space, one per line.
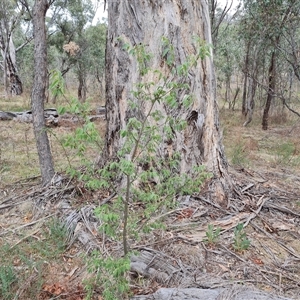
249 186
23 117
96 118
147 272
281 208
107 199
234 293
211 203
101 110
280 243
170 271
261 203
162 268
51 121
81 225
6 116
181 294
86 238
50 112
226 224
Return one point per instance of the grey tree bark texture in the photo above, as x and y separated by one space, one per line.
12 82
16 86
146 22
38 91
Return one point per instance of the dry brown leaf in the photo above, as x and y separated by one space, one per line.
54 289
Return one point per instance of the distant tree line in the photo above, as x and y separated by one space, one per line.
257 55
74 45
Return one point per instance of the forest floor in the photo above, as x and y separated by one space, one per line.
38 260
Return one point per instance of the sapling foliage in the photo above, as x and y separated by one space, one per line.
148 179
146 182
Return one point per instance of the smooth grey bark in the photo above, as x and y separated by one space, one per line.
38 91
146 22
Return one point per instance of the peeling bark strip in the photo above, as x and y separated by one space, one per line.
146 22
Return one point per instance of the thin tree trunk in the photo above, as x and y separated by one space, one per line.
228 91
234 98
38 91
81 75
146 22
246 74
81 91
271 91
249 105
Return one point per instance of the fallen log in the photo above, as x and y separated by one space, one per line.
52 117
182 284
6 116
233 293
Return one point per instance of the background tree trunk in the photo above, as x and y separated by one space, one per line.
271 91
251 84
12 81
8 23
82 88
146 22
38 90
16 86
246 75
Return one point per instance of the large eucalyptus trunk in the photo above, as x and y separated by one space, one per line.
146 22
38 90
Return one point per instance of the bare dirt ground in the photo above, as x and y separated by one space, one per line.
42 264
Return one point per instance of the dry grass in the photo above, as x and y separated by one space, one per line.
245 146
18 154
276 148
18 157
18 103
